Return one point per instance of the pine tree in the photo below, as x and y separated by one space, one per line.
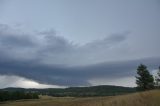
144 80
157 78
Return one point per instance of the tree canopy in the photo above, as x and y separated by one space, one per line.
144 80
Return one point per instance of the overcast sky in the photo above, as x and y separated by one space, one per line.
62 43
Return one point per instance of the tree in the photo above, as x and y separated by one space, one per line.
16 95
157 78
144 80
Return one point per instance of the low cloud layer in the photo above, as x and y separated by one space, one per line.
75 76
16 81
48 58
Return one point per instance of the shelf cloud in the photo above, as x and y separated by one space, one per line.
50 59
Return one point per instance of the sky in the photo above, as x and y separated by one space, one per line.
63 43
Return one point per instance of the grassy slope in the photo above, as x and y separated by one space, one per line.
149 98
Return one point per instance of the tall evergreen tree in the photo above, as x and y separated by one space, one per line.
144 80
157 78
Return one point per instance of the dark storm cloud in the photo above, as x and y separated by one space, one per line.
48 58
49 48
38 46
74 76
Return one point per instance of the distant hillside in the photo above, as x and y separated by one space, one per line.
103 90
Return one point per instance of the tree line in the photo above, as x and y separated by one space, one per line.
145 80
16 95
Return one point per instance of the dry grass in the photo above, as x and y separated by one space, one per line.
149 98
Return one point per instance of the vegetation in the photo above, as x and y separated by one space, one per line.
103 90
147 98
145 80
157 78
94 91
17 95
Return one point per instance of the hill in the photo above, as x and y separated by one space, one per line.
148 98
103 90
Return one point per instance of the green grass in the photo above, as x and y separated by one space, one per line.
148 98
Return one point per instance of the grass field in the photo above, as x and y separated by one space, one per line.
148 98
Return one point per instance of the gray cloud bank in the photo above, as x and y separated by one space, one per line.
74 76
49 58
